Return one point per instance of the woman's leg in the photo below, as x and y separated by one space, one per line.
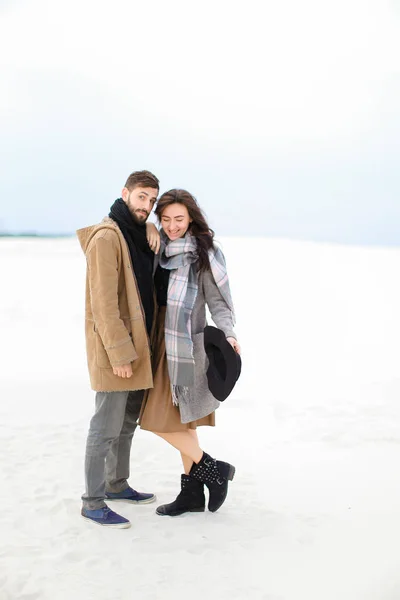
187 444
186 460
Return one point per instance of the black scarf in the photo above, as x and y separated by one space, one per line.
142 256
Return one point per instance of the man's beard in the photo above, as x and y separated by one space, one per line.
138 217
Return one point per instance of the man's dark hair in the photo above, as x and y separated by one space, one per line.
142 179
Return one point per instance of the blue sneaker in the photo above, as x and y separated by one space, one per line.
132 496
105 516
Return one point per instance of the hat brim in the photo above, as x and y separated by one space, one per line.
225 364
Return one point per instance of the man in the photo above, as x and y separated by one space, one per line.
119 316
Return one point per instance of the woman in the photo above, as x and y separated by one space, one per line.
191 274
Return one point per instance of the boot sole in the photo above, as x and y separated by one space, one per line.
181 512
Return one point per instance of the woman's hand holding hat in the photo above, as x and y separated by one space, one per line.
235 344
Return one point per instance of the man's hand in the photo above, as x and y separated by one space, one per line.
123 371
234 344
153 237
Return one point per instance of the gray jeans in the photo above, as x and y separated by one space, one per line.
109 444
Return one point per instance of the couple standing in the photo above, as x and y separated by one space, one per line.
144 320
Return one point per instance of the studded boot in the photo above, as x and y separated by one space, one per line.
215 474
190 499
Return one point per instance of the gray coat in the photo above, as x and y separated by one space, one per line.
203 402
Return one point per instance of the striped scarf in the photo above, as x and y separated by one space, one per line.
180 257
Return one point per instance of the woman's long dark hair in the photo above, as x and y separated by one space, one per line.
198 227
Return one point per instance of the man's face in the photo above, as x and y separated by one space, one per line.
140 202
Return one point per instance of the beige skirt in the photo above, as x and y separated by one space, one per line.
158 412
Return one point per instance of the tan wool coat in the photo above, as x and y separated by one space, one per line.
114 319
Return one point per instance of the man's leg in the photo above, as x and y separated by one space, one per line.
117 461
105 427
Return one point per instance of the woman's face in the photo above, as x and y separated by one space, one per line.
175 220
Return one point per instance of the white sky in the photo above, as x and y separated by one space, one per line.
288 107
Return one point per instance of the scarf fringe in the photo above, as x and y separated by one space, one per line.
180 393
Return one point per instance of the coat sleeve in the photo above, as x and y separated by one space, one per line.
220 312
102 260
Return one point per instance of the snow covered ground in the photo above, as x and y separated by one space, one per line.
313 428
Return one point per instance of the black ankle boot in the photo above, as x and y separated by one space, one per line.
190 499
215 474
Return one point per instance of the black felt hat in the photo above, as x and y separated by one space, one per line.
225 363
